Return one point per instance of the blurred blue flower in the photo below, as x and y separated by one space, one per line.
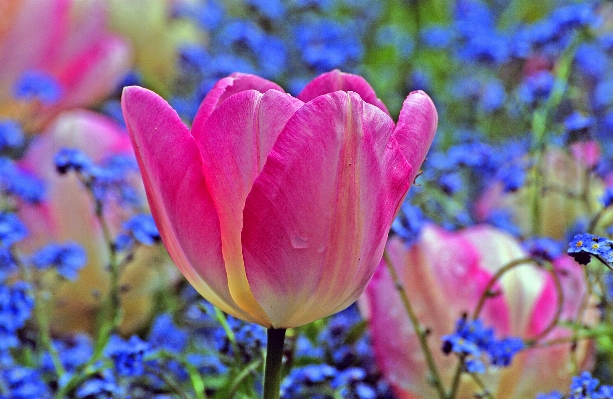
14 181
128 355
68 159
23 383
66 258
545 248
11 134
12 229
103 386
16 305
326 44
165 334
139 229
536 87
591 60
437 36
38 85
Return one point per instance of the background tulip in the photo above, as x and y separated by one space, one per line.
566 178
444 275
66 40
156 37
276 208
67 214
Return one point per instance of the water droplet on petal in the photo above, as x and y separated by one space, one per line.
390 145
300 242
321 248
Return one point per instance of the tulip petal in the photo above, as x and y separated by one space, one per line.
415 128
497 249
223 89
317 217
336 80
235 143
180 202
92 74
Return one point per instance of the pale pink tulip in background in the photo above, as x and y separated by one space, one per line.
66 39
67 214
444 275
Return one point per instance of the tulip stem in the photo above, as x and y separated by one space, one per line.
419 330
274 361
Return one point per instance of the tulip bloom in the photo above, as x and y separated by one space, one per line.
67 214
66 39
444 275
563 176
275 208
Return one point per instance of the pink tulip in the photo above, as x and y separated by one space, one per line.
276 208
444 275
66 39
67 214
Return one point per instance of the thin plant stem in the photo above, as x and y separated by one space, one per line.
419 330
274 363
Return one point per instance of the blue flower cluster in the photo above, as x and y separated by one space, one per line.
139 229
584 246
107 179
472 340
583 386
38 85
339 363
67 259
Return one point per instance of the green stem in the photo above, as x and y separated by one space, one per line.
274 358
419 330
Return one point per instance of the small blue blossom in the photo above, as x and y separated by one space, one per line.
166 335
67 258
545 248
12 229
501 351
584 245
326 44
138 229
16 305
607 197
591 60
437 36
450 183
127 355
503 219
409 222
474 366
111 179
103 386
551 395
67 159
583 385
11 134
536 87
38 85
513 177
577 122
23 383
307 381
73 353
472 340
15 181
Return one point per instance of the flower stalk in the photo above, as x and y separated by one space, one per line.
274 361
